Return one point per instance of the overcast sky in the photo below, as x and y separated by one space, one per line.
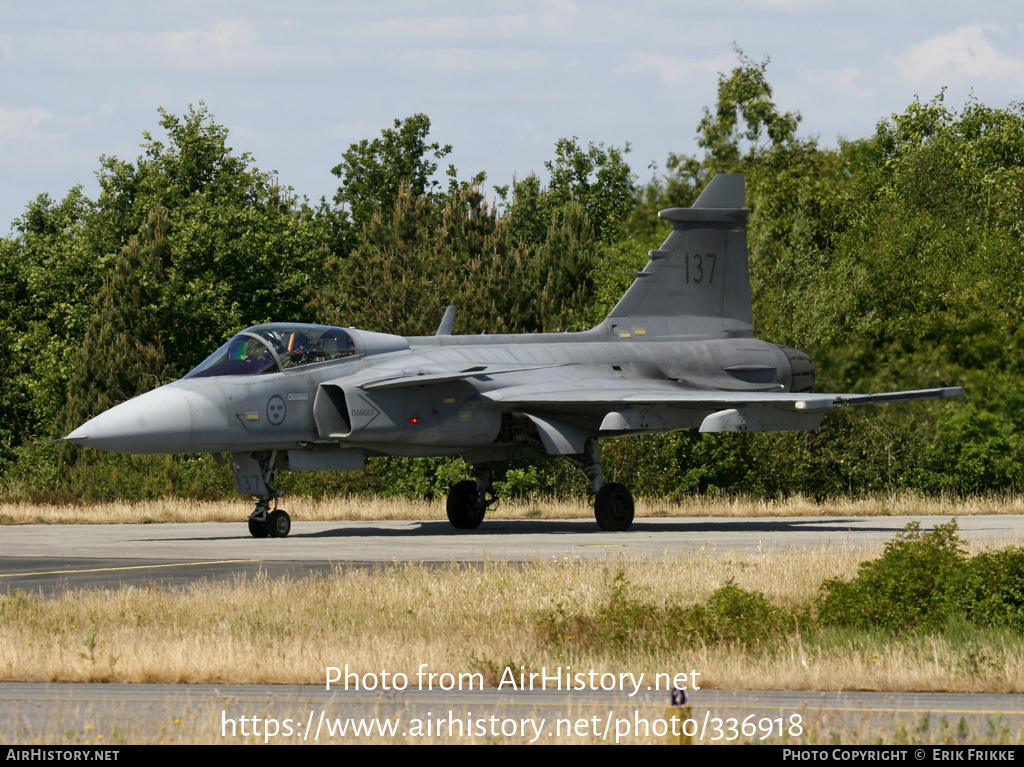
296 83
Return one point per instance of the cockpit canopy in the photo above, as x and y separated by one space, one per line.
276 347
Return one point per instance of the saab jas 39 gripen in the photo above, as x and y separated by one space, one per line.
677 352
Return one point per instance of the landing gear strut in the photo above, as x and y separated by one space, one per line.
469 500
254 475
613 503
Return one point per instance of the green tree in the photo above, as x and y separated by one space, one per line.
52 275
596 179
415 261
894 262
122 354
242 250
744 128
374 171
745 115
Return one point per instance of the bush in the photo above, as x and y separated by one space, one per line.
993 591
735 616
730 615
912 586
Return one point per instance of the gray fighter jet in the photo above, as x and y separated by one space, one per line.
677 352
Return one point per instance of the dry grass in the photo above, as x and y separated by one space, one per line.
357 508
470 620
465 620
461 620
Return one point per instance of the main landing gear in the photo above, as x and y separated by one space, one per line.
469 500
613 507
613 503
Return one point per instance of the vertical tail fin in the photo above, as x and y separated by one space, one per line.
697 285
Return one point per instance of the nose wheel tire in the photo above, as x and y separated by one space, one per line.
258 528
613 507
279 524
465 511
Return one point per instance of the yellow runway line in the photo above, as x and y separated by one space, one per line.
132 567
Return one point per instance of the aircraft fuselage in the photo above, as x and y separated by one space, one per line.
334 405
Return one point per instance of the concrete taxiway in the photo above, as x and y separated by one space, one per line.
54 557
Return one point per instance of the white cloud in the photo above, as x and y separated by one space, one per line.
345 132
844 82
790 6
964 56
17 124
211 47
229 41
32 141
674 70
35 140
415 42
148 96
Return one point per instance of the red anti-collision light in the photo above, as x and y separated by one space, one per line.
414 420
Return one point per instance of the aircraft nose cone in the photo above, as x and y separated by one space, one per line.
157 422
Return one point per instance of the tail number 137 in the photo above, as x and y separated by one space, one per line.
700 268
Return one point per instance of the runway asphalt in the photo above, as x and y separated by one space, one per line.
50 558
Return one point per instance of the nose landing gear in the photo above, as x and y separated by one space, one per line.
262 522
254 475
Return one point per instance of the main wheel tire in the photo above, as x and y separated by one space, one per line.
279 523
258 528
465 511
613 507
